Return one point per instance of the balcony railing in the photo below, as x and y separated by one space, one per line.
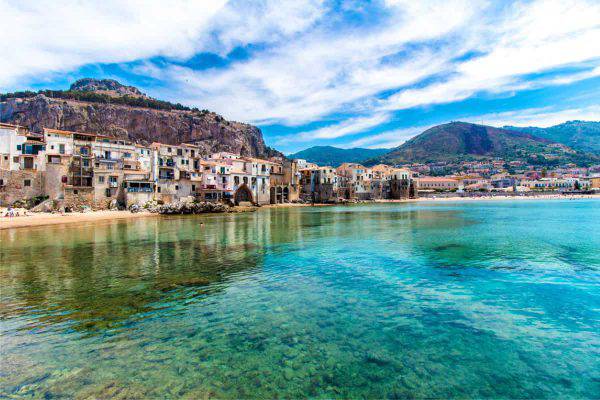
139 190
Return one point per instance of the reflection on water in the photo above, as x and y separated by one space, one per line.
497 299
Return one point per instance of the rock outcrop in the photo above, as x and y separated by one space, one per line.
188 207
139 124
109 86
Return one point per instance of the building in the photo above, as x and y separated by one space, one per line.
21 167
402 185
437 183
98 171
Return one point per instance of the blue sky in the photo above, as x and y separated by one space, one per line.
309 72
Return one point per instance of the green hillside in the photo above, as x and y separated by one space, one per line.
334 156
579 135
460 141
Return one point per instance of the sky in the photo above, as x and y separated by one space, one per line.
316 72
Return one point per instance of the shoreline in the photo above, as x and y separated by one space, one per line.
497 198
47 219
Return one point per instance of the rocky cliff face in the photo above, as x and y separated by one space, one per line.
105 85
142 125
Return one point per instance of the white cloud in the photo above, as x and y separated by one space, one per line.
531 37
326 69
347 127
44 37
388 139
540 117
40 37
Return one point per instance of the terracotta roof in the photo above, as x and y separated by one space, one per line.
11 126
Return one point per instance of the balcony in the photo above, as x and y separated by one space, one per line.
143 189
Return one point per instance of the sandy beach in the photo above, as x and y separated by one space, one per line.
42 219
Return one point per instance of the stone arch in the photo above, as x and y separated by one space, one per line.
243 194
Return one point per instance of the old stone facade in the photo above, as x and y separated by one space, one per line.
89 170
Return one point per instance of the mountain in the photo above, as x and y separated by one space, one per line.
108 107
334 156
580 135
108 86
460 141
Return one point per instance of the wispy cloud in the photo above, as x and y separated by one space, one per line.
347 127
388 139
42 37
541 117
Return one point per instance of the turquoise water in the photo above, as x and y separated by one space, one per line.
494 299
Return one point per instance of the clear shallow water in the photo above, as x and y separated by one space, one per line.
486 299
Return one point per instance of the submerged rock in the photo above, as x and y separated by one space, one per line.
377 358
168 286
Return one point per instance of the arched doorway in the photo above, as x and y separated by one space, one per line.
243 194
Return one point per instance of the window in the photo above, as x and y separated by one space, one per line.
18 147
224 179
169 149
1 182
158 189
182 162
86 163
61 148
236 180
176 187
107 192
100 179
112 179
16 159
127 155
75 191
193 188
179 152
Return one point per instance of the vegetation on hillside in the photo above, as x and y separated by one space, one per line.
334 156
93 97
460 141
580 135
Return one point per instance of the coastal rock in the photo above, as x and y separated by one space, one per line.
114 205
181 207
45 206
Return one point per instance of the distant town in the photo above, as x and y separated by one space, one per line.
77 171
